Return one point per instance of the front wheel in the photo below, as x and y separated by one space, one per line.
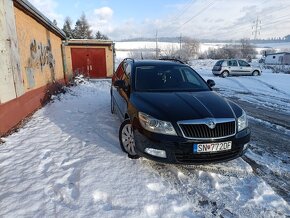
255 73
126 138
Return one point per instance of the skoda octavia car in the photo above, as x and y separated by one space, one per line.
170 114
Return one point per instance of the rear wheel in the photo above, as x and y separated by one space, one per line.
126 138
255 73
225 74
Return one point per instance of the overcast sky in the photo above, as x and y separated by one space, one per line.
201 19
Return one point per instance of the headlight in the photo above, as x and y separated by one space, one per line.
242 122
153 125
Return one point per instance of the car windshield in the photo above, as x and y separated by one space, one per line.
168 78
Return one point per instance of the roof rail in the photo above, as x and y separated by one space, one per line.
132 59
171 59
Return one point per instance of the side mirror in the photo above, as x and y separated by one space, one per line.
120 84
211 83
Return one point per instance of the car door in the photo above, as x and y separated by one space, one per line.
120 95
245 68
116 92
233 67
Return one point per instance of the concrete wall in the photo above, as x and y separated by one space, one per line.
11 82
31 61
109 56
40 52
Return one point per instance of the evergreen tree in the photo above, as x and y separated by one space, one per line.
67 28
99 35
82 29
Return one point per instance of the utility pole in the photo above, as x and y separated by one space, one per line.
156 45
180 45
256 27
180 42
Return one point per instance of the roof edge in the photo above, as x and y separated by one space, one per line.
278 53
89 42
29 9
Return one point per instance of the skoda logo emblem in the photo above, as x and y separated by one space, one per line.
211 124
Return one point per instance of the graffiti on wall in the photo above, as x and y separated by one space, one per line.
41 56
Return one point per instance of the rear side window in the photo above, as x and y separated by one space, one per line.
219 63
120 72
232 63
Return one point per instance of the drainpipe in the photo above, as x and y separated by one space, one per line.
63 55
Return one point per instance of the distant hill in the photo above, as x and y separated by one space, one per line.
177 39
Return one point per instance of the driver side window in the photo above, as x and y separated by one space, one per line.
243 63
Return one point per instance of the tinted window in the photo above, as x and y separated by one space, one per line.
120 72
128 69
168 78
232 63
219 63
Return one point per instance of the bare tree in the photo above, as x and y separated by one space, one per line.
189 49
247 50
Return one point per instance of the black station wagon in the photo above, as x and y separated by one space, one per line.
170 114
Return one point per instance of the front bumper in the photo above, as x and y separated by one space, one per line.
216 73
179 150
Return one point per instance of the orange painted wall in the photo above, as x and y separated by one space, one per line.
40 52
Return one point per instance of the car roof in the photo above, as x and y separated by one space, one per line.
156 62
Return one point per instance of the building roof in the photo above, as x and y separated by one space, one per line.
89 42
278 53
29 9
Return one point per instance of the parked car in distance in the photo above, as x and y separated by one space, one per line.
234 67
170 114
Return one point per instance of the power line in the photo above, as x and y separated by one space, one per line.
182 11
198 13
190 19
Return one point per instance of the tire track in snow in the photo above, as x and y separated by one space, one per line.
271 87
248 91
170 174
205 188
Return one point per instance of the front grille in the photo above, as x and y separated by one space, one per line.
199 131
183 157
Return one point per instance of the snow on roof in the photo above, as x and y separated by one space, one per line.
278 53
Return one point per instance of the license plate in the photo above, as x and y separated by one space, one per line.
212 147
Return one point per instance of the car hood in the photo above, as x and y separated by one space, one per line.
176 106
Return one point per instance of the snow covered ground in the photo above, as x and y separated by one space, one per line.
270 90
66 161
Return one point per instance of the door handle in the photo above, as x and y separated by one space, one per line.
91 67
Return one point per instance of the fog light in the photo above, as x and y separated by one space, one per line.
245 146
155 152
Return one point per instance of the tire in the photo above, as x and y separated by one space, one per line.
225 74
126 139
256 73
